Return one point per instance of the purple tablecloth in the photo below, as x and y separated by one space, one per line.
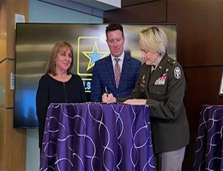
208 153
97 137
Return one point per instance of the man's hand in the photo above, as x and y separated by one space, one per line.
108 98
135 101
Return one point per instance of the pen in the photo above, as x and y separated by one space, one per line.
106 90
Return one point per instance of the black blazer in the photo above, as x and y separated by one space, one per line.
53 91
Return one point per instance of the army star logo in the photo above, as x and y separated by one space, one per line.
94 55
177 72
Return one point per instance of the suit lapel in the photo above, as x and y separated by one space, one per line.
110 70
125 71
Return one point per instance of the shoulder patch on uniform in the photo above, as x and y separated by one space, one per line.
177 73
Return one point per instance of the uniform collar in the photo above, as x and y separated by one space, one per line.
162 62
158 61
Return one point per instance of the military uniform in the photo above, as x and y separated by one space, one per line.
164 90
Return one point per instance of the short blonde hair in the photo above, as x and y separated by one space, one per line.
154 40
51 67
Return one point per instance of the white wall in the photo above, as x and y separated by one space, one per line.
116 3
41 12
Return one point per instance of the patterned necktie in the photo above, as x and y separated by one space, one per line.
117 72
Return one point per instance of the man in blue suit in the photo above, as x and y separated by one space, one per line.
105 79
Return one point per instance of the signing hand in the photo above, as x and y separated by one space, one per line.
135 101
108 98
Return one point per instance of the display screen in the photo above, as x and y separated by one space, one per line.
34 42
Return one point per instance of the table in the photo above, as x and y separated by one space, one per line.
209 143
96 137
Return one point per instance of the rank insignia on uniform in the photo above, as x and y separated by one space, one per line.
177 73
161 80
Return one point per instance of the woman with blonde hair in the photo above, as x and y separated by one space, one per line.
161 85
